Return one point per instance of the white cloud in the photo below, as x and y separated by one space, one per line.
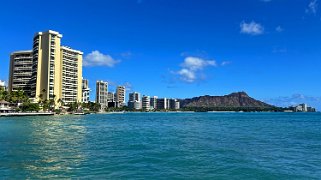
192 68
279 29
312 7
96 58
251 28
224 63
187 75
195 63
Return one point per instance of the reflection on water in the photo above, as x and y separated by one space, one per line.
50 147
162 145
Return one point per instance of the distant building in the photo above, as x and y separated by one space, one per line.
2 85
146 103
20 71
174 104
162 103
134 96
134 101
153 102
85 91
102 93
302 108
311 109
120 96
111 97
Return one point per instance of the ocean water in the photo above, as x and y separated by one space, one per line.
162 146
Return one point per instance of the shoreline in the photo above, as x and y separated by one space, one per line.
27 114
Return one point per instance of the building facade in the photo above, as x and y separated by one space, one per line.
134 101
71 75
20 72
162 103
120 96
102 93
153 102
302 108
85 91
174 104
111 97
146 103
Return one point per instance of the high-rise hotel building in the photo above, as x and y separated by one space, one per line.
20 71
56 71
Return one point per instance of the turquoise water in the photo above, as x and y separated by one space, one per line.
162 146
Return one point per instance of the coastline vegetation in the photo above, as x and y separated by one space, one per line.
23 104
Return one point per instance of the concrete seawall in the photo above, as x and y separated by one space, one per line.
27 114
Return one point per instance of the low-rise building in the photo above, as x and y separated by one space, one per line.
5 107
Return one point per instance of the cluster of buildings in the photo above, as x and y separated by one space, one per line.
110 99
148 103
302 108
51 71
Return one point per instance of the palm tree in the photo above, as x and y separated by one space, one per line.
61 102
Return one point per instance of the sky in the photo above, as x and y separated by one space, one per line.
270 49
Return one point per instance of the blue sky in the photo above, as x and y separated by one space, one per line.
168 48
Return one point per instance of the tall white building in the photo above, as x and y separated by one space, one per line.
102 93
146 103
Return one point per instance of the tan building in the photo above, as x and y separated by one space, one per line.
20 71
120 95
71 75
56 70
